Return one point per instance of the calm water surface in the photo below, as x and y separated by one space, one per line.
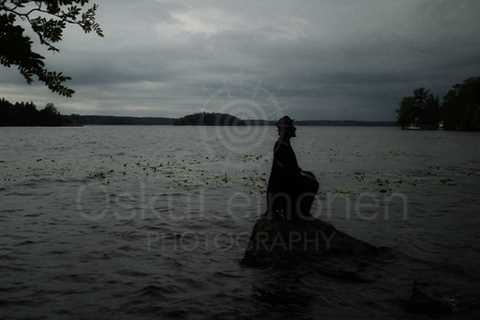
142 222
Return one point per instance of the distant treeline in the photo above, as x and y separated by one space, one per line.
27 114
209 119
116 120
331 123
459 110
345 123
222 119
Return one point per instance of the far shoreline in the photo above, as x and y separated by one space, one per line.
132 120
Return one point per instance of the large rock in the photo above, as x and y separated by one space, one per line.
281 242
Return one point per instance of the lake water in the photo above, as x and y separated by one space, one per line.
141 222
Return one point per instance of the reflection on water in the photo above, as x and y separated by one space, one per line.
152 221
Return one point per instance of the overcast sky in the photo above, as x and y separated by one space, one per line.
319 59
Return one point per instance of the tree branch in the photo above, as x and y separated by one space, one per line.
47 19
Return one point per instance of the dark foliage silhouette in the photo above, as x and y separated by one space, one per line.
119 120
422 110
461 106
210 119
27 114
47 19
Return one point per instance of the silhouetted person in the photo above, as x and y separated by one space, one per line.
291 190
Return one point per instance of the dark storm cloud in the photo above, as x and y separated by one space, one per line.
315 59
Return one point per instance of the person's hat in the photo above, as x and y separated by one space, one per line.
285 122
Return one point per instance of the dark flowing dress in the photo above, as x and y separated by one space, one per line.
291 190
